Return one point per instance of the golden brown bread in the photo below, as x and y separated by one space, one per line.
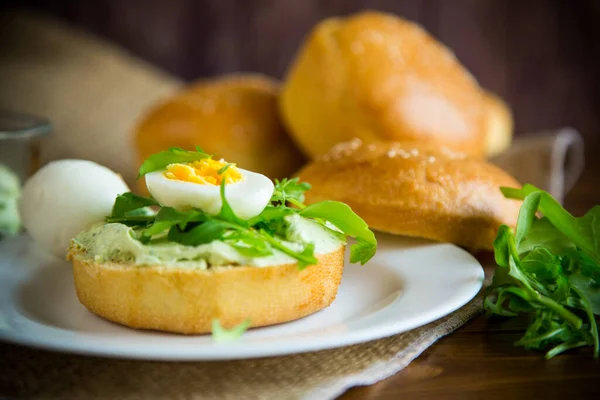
499 124
416 190
376 76
234 117
187 300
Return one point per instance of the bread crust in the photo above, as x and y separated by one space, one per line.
186 301
416 190
376 76
233 116
499 124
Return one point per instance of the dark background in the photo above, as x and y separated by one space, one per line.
541 56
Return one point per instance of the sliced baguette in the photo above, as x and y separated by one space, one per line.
187 300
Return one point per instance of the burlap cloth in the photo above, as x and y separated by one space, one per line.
93 92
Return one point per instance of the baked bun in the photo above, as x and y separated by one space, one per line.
234 117
499 124
416 190
186 300
376 76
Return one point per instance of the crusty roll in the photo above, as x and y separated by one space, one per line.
234 117
416 190
186 300
376 76
499 124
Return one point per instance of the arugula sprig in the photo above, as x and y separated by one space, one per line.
342 216
290 191
161 160
583 232
337 213
220 334
133 210
548 268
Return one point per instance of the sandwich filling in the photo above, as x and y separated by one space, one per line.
116 242
205 213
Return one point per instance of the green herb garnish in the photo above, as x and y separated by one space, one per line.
342 216
220 334
549 269
257 237
290 191
128 202
161 160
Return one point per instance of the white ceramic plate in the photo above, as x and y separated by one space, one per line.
407 284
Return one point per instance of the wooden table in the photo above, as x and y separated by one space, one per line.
480 361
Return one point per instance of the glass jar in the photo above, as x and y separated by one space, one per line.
19 159
19 142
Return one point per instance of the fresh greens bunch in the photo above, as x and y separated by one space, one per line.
256 237
549 269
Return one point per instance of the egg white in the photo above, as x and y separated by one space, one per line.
247 198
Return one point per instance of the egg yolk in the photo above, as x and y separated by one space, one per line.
203 172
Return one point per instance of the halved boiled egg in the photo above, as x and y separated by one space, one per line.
65 197
197 185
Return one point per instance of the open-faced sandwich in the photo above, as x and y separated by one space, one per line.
214 242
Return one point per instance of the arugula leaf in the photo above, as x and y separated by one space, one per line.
527 216
159 161
305 258
226 212
272 219
588 289
204 233
582 231
362 252
168 217
342 216
290 190
542 265
504 246
544 234
587 266
220 334
127 202
272 213
584 304
248 244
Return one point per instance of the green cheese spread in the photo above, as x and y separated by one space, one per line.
116 242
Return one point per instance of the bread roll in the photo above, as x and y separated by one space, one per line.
186 300
376 76
416 190
234 117
499 124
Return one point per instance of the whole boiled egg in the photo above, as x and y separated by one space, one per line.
65 197
197 185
